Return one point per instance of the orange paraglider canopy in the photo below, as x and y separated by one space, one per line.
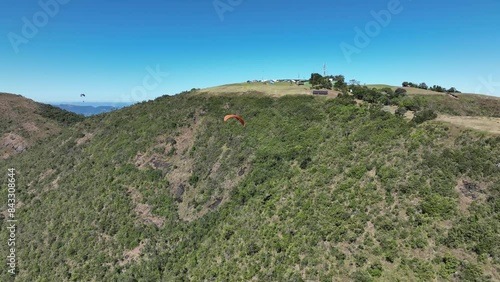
236 117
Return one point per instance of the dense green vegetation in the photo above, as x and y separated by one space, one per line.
317 81
424 86
324 190
59 115
384 96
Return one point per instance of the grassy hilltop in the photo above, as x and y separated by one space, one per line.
311 189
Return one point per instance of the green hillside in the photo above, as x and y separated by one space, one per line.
465 105
26 122
311 189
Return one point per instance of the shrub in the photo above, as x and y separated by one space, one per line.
449 266
410 104
401 111
471 272
424 115
375 269
388 91
361 276
400 92
436 205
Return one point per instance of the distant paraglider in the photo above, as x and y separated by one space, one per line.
82 95
236 117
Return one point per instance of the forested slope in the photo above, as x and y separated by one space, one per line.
310 189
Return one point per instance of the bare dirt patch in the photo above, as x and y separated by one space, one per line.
132 255
175 162
30 127
372 173
47 174
469 192
11 144
370 229
14 141
392 109
84 139
54 185
143 211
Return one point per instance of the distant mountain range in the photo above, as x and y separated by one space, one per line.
88 110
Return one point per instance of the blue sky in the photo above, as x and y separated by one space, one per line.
125 51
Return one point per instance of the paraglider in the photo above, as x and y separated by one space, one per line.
82 95
236 117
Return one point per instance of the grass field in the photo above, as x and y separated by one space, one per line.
487 124
275 90
282 88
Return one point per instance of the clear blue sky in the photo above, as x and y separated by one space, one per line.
104 48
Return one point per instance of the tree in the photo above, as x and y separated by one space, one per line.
339 78
437 88
327 84
315 79
406 84
453 90
353 82
340 85
318 81
423 86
